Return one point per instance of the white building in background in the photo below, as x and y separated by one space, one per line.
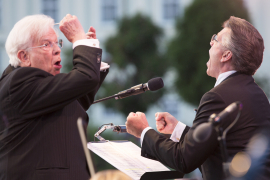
103 15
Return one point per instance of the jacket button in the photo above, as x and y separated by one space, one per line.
98 57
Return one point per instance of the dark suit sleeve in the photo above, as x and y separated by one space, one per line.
185 155
35 92
88 99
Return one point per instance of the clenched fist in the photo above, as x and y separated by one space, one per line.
72 28
165 122
136 123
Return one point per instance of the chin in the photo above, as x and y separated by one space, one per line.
55 73
208 73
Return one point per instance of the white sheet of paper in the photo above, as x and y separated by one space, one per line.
126 156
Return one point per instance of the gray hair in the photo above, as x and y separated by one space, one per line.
24 33
246 44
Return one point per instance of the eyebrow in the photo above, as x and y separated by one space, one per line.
48 40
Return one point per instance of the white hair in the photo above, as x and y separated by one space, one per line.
24 33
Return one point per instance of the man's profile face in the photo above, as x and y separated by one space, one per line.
215 54
48 60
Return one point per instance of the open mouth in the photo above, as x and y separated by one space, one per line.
57 64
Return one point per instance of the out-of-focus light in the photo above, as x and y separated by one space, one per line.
240 164
258 145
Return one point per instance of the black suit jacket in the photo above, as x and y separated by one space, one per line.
187 155
39 138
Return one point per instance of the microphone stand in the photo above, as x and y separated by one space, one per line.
224 152
222 139
222 143
103 99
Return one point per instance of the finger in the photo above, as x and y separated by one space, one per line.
159 127
131 114
92 29
160 115
127 127
89 33
160 123
139 113
95 36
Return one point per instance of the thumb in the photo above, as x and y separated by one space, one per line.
157 116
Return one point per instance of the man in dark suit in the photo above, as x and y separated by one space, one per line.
235 55
39 139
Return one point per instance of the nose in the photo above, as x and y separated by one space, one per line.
56 49
211 43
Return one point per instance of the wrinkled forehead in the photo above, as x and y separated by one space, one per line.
48 35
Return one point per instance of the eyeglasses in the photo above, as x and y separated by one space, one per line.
214 38
48 45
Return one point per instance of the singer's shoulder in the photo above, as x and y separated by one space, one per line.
23 73
211 102
211 97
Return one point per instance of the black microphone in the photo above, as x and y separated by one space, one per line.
204 130
152 85
231 108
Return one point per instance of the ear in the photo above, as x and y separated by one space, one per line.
226 56
24 57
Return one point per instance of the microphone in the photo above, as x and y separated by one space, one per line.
204 130
115 128
152 85
120 129
231 108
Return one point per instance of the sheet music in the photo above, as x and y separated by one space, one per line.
125 156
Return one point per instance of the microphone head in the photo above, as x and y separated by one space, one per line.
155 84
202 132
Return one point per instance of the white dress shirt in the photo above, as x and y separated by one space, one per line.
180 127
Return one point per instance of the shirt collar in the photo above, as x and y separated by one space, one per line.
223 76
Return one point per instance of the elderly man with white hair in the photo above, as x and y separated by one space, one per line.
38 136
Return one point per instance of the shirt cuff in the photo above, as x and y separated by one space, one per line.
143 133
87 42
91 43
104 66
178 131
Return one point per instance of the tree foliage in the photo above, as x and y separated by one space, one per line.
135 59
189 50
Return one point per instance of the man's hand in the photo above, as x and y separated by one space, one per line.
136 123
165 122
72 28
91 34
